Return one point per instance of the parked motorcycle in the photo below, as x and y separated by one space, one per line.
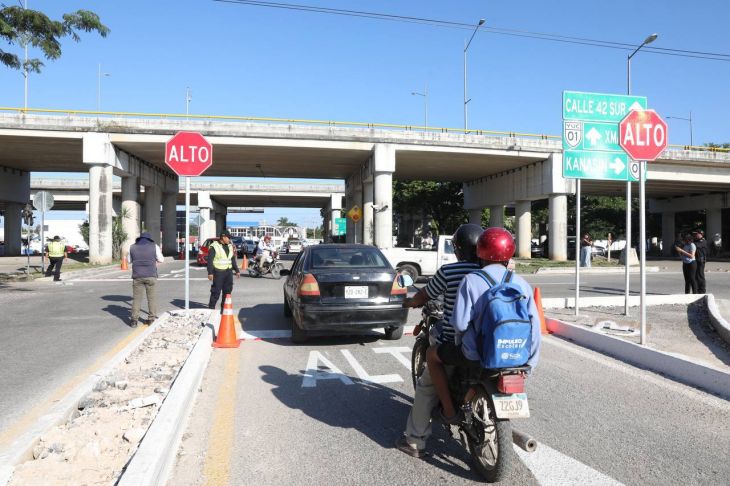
270 266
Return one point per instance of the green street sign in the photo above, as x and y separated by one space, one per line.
582 164
584 135
340 227
599 107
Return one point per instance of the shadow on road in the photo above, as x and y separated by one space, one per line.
699 323
377 412
117 298
263 317
122 312
180 304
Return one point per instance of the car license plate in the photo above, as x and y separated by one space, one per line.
359 292
511 406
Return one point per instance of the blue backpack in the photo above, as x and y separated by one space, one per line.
504 335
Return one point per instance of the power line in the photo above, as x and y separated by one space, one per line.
713 56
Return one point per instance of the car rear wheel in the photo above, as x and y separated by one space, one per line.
393 333
298 335
409 270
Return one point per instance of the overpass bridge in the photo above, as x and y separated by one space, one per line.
496 168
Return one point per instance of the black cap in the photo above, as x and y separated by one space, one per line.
56 238
225 233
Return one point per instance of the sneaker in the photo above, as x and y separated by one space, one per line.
403 445
133 323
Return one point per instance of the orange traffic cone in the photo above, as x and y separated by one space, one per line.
540 311
124 263
226 337
244 266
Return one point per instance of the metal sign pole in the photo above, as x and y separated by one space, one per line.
642 242
627 248
43 232
577 246
187 239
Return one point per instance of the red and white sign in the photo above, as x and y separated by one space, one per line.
188 154
643 134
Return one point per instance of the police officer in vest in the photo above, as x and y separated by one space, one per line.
144 256
221 267
56 253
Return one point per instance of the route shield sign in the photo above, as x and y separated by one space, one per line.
584 135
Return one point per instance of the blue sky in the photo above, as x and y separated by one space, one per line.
241 60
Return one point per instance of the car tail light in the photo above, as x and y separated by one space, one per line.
397 289
309 286
511 384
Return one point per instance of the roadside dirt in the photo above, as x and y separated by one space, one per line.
103 433
678 329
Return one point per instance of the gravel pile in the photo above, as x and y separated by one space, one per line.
102 434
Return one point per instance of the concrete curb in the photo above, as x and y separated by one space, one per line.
154 459
21 448
716 320
592 270
617 301
675 367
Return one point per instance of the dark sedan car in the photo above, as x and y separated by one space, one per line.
343 288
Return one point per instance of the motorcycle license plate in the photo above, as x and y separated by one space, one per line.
359 292
511 406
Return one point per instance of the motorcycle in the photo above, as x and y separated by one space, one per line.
431 313
270 265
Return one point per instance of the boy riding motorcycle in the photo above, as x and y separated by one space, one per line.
495 248
264 250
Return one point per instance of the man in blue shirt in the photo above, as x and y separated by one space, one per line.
495 247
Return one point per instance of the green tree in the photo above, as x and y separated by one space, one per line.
284 221
20 26
442 201
84 230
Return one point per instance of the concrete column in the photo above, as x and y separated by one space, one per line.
13 229
100 214
668 232
169 228
524 229
207 224
368 223
152 213
475 216
357 227
558 226
130 211
383 191
335 208
496 216
714 223
220 222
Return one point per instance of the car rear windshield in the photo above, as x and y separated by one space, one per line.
348 257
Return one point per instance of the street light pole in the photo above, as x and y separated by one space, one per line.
98 87
25 63
627 248
425 104
466 47
691 132
188 99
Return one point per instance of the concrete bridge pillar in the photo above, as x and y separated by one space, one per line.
558 227
130 211
220 222
367 212
668 232
475 216
714 223
169 229
13 229
335 211
100 214
383 168
524 229
152 201
496 216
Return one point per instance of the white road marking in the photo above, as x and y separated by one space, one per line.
397 353
552 468
363 375
313 372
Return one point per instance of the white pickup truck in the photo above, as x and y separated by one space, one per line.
416 262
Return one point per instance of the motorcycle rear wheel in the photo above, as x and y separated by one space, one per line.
276 271
418 359
491 449
253 272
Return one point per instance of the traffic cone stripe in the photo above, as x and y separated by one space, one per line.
226 337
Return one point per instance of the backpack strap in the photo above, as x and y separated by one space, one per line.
487 278
507 278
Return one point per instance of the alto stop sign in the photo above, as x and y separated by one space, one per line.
188 154
643 134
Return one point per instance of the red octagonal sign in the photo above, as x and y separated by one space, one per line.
643 134
188 154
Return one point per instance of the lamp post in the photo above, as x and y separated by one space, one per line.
691 133
466 47
24 40
627 248
188 99
425 103
98 87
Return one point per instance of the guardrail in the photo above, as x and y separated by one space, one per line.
82 184
332 123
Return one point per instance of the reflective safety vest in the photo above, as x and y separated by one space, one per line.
56 249
222 260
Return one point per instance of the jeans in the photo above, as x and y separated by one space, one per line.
585 256
222 282
690 277
146 285
701 283
54 262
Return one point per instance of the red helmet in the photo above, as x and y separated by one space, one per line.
267 237
495 245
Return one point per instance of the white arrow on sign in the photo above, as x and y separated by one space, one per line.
617 165
593 135
635 106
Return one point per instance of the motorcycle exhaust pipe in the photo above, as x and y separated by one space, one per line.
523 441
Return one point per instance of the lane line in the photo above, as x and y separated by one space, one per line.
17 427
553 468
255 335
217 467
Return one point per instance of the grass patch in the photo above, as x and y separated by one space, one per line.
532 265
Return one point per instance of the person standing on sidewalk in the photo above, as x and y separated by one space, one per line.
56 253
689 264
221 267
144 255
586 250
701 244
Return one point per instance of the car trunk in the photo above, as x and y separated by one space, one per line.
347 287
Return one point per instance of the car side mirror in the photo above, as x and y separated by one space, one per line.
284 272
404 281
